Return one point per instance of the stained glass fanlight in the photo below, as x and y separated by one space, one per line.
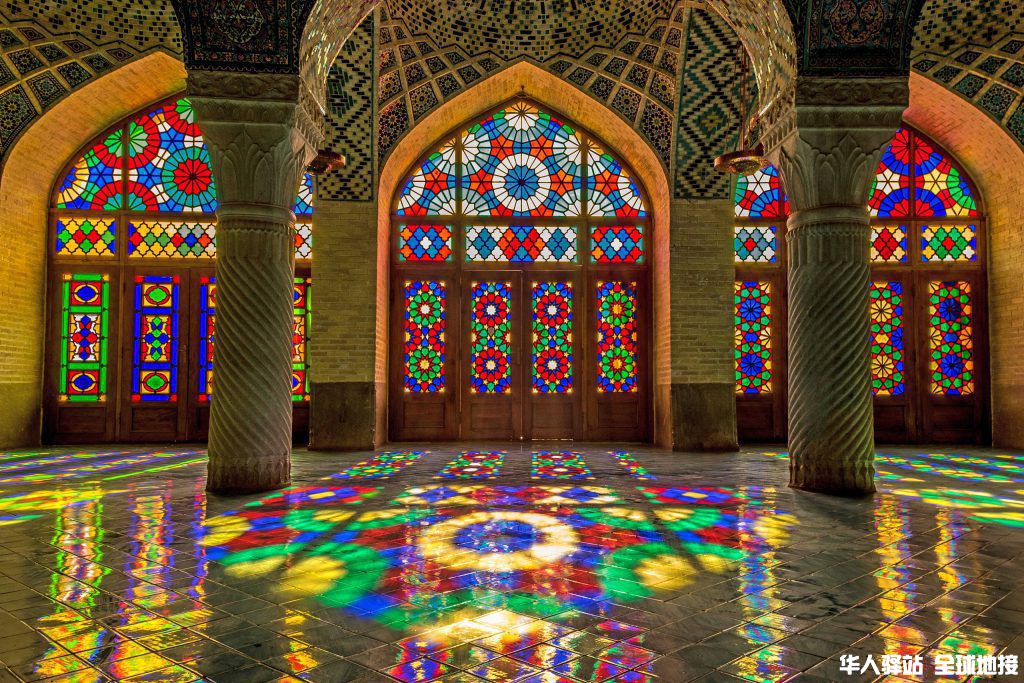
521 162
760 196
890 193
157 164
94 181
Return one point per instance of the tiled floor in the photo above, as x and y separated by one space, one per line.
565 564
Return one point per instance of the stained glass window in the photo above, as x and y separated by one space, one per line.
89 236
171 238
950 337
520 243
759 195
85 310
887 367
948 243
94 181
424 243
617 244
304 200
168 164
616 337
424 343
431 189
890 192
889 244
941 188
303 239
754 244
521 162
155 345
302 310
490 338
753 323
207 319
552 337
612 192
924 214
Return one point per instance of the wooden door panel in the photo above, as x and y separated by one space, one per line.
155 324
490 355
617 355
552 357
85 411
423 377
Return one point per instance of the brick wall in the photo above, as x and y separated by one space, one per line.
29 173
994 161
702 291
343 340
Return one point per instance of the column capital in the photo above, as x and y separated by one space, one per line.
261 131
842 128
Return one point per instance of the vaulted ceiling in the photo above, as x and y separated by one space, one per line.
669 67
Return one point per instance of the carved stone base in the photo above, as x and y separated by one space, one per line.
704 417
238 475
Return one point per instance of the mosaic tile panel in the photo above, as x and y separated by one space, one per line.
351 118
709 96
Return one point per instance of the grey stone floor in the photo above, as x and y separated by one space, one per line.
575 563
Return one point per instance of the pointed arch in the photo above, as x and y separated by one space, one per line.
37 157
549 91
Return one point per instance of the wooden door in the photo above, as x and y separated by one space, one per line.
155 353
617 355
491 355
422 377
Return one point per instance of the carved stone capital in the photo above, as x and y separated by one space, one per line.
828 167
826 109
261 130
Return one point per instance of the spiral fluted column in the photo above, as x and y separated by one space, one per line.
260 136
828 163
831 431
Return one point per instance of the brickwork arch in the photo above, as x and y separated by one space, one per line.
28 174
992 159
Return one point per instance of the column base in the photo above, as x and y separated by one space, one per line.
704 417
248 475
831 488
344 416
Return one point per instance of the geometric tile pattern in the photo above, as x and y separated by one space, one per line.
350 119
710 96
418 72
978 55
76 42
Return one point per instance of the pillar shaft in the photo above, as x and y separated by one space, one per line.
260 140
828 165
831 432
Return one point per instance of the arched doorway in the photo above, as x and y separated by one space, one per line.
520 291
928 329
131 310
